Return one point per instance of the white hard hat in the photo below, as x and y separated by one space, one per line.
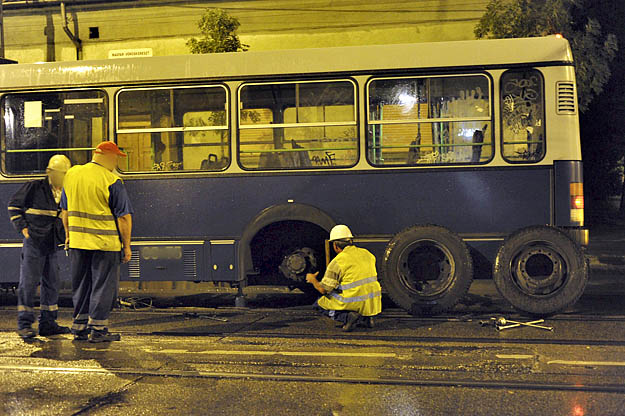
340 232
59 163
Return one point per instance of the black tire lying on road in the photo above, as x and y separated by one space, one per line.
540 270
426 269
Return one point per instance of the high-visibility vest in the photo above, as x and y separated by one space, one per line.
358 290
92 225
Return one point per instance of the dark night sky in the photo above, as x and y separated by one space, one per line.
603 125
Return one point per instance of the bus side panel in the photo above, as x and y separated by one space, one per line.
483 201
480 202
10 260
9 254
7 232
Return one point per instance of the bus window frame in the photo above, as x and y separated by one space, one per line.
491 119
356 124
106 117
501 138
176 129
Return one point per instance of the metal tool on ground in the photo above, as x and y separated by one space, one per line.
508 326
135 303
490 322
503 323
202 316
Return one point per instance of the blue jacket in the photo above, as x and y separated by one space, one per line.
33 207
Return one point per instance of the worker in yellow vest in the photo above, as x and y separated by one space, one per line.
352 294
97 216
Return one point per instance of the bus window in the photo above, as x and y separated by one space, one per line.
523 115
298 125
429 120
39 125
174 129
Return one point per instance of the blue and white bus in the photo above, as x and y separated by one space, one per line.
448 160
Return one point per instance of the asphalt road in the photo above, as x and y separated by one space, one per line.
196 354
267 361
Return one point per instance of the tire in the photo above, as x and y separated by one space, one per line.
426 269
540 270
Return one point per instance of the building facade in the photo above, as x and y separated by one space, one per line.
34 30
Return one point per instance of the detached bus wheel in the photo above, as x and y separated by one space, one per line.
426 269
540 270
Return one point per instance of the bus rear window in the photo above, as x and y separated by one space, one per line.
298 125
523 116
174 128
39 125
434 120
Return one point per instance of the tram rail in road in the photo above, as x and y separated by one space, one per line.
498 385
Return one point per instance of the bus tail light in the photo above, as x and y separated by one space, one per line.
577 203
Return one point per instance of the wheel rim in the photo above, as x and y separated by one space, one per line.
426 268
538 269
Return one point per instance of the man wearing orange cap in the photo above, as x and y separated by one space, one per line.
97 216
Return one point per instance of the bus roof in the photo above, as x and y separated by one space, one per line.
349 59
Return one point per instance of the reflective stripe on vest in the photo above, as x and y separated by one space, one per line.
79 214
358 283
46 212
353 299
92 230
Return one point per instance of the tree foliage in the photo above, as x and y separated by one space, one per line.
219 34
527 18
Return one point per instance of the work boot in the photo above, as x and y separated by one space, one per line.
103 336
27 332
367 321
81 335
52 328
350 323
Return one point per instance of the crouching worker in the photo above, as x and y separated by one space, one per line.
34 212
352 294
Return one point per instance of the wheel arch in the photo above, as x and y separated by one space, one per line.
273 214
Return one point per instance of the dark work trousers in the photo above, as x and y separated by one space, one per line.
37 266
95 281
340 316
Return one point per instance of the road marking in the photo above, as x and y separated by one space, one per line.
285 353
515 356
598 363
99 370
